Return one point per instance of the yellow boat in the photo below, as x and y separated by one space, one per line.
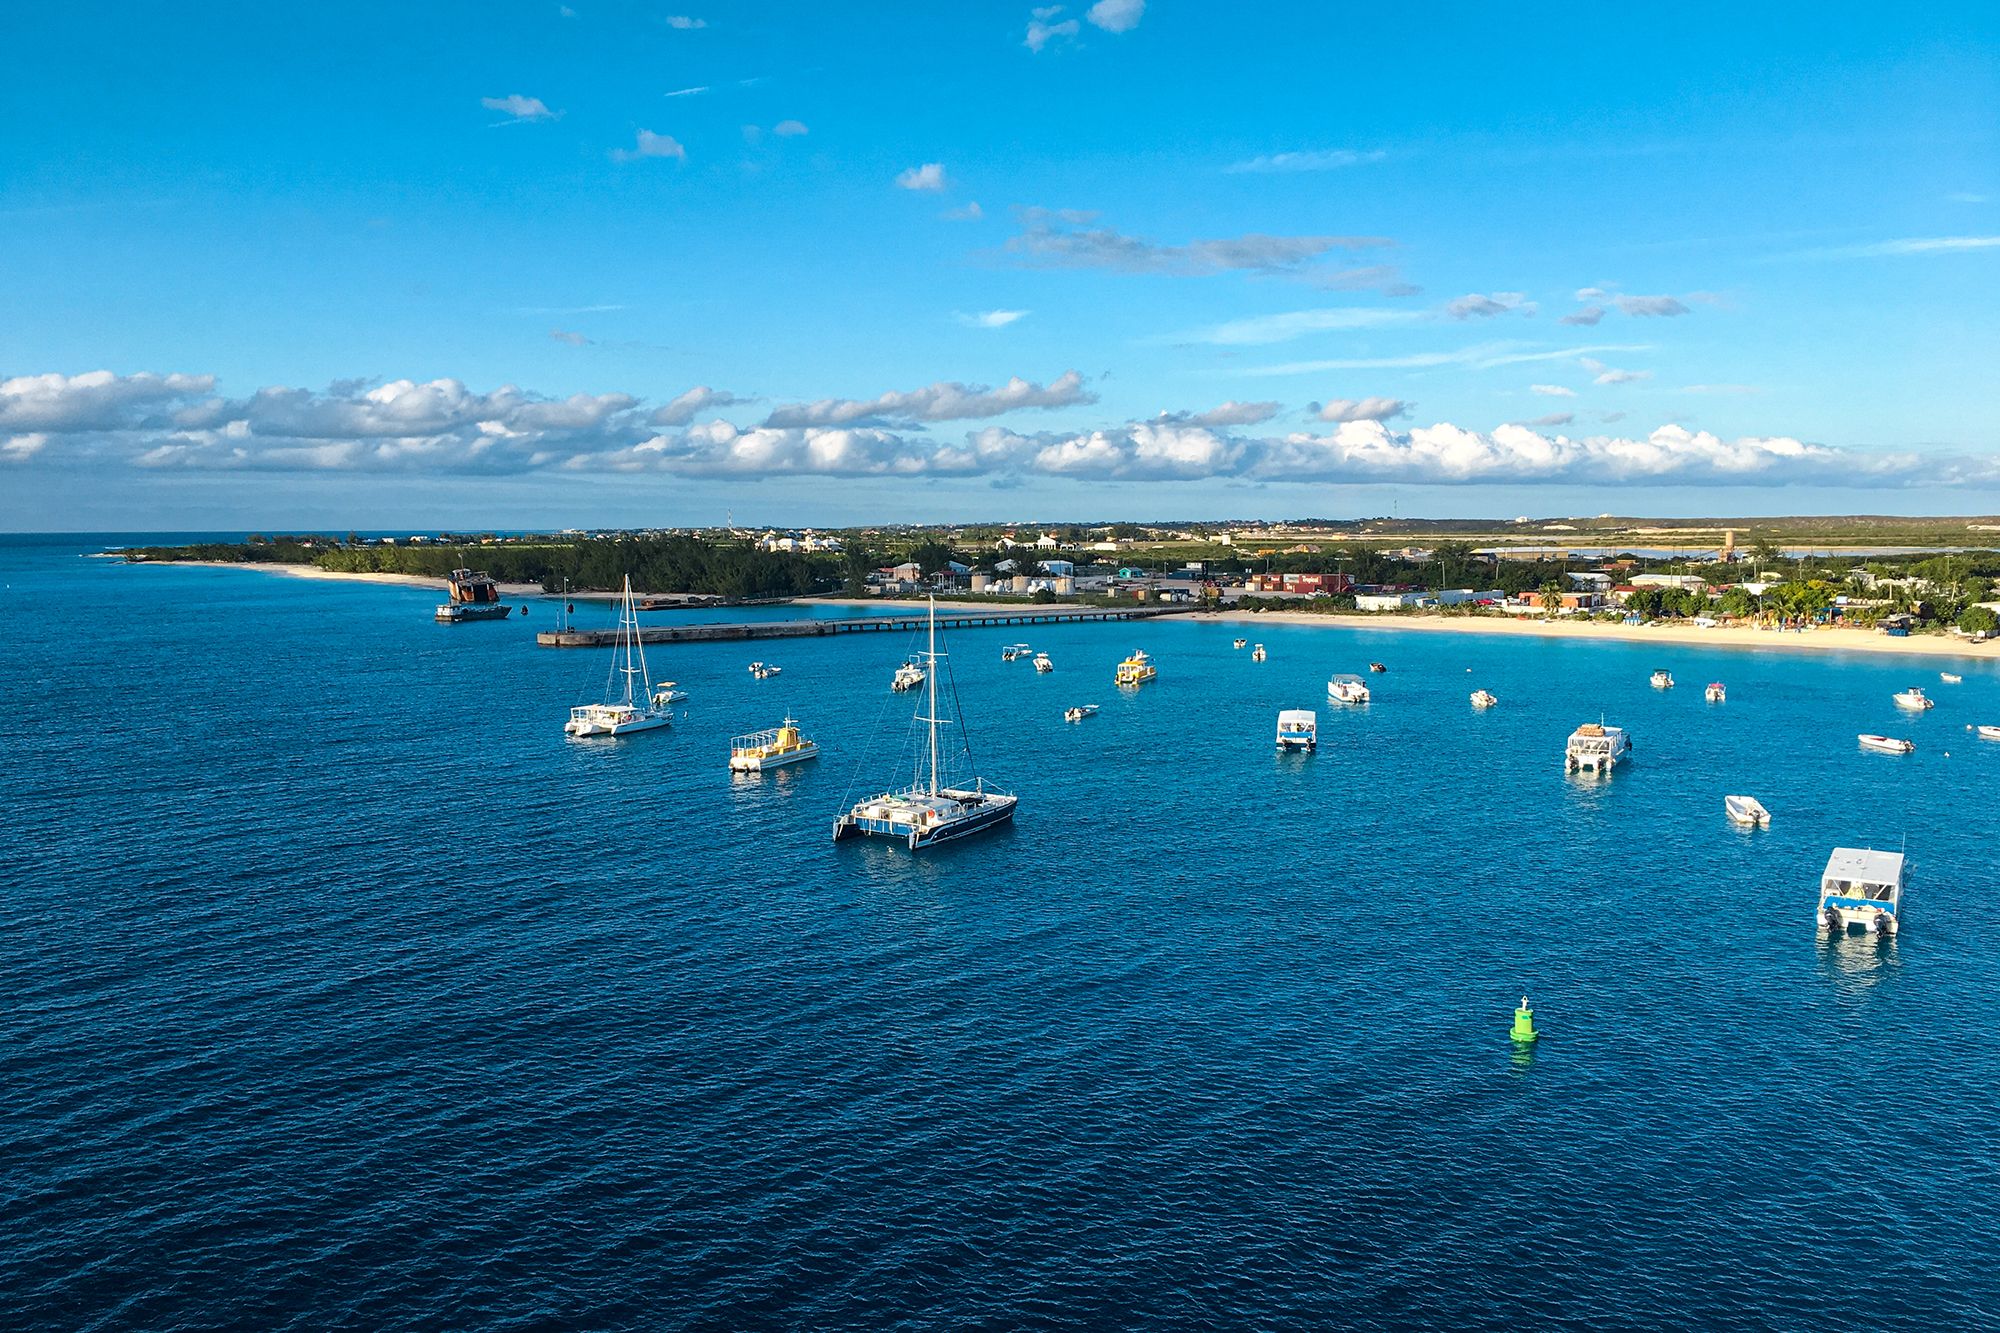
773 748
1136 670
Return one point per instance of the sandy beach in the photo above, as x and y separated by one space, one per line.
516 590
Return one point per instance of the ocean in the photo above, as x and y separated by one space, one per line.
343 991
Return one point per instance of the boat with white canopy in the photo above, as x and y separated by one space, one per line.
1861 889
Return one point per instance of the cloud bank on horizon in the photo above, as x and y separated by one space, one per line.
181 422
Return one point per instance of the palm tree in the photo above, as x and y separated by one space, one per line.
1552 597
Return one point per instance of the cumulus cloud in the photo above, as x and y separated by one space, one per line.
1474 305
650 144
1590 314
1045 25
929 176
1553 390
992 319
1650 307
1066 238
1609 375
1325 159
1231 413
686 406
1360 409
1116 15
944 401
95 401
518 107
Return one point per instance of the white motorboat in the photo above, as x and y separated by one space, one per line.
908 676
1663 680
934 808
666 694
1079 713
1258 654
1861 889
632 702
1596 748
771 748
1042 662
1950 679
1239 643
1484 698
1347 690
1913 699
1885 744
1747 811
1988 733
1716 693
1013 651
1298 729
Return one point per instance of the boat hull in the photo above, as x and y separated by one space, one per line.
994 811
454 613
636 725
755 763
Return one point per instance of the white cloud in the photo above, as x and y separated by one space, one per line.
684 408
929 176
20 448
695 91
1650 306
683 23
1326 159
1360 409
1609 375
1231 413
1384 278
789 129
650 144
1554 419
519 107
1913 245
1589 315
1043 28
972 212
1066 238
1116 15
1553 390
1474 305
1261 330
568 336
943 401
992 319
1483 356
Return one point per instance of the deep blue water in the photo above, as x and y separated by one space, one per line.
342 991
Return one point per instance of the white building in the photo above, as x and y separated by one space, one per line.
1685 582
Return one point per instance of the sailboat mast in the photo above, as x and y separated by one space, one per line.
931 680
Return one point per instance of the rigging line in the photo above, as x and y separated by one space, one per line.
874 739
958 711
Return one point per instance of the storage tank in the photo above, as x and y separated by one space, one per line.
1065 587
1020 583
982 582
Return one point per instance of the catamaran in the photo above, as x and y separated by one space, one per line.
1861 889
1298 729
931 809
636 706
1596 748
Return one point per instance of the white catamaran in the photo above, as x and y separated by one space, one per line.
929 810
635 706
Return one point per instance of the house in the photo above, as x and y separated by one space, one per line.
1386 601
1589 581
1059 568
1308 585
1047 542
1685 582
907 572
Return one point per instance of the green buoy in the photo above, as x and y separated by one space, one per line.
1524 1023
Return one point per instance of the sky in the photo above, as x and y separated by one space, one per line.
532 264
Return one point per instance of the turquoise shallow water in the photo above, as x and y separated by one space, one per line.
343 991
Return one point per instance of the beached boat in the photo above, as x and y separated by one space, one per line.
1377 667
1596 748
1347 690
1258 654
1042 662
1747 811
771 748
1988 733
1913 699
933 809
1663 680
1484 698
1861 889
908 676
1950 679
474 596
1239 643
1135 670
1715 693
632 702
1298 729
1885 744
1079 713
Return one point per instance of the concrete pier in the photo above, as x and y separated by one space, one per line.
803 629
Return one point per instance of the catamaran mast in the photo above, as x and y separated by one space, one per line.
931 680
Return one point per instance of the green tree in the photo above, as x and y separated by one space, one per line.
1979 620
1552 597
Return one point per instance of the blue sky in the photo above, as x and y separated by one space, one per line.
533 264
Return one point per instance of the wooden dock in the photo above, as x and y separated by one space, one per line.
805 629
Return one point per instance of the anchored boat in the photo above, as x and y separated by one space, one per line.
1663 680
1484 698
1079 713
1347 690
1747 811
1135 670
1298 729
1239 643
1715 693
1861 889
772 748
1596 748
1885 744
1988 733
1258 654
1950 678
1042 663
1913 699
908 677
636 704
474 596
931 809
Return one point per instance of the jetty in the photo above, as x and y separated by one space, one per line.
805 629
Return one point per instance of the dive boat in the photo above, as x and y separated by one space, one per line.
1042 662
474 596
1596 748
1298 729
931 809
1079 713
1715 693
1747 811
1885 744
1239 643
1258 654
637 704
908 677
1484 698
1347 690
1663 680
1860 889
1136 669
1950 679
1913 699
772 748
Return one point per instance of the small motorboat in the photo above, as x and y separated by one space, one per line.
1298 729
1715 693
1949 679
1885 744
908 676
1042 662
1663 680
1913 699
1347 690
1258 654
1747 811
1239 643
1987 733
763 670
1079 713
667 693
1377 667
1484 698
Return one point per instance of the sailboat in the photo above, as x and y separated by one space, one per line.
636 706
929 810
